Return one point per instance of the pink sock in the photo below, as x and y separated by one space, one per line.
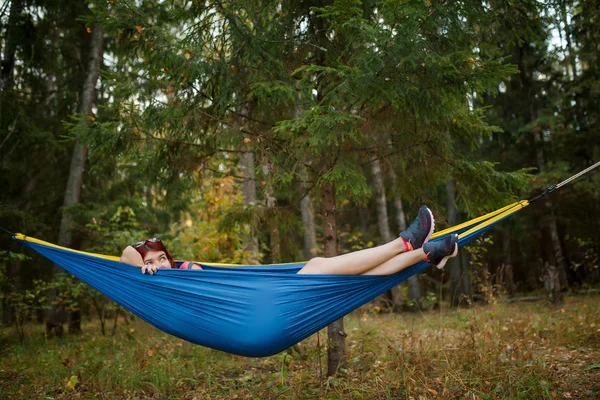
407 245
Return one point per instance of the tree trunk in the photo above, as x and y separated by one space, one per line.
306 207
10 43
570 54
507 275
383 225
272 216
552 225
414 289
336 349
75 181
13 270
552 283
308 222
596 213
459 277
249 193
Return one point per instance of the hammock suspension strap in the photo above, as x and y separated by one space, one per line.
552 188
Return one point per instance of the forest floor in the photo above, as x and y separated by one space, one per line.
498 351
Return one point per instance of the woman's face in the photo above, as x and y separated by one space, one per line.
156 259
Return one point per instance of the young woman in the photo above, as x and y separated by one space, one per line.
409 248
151 255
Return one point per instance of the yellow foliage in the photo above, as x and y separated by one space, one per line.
198 237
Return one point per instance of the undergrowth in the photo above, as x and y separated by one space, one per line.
514 351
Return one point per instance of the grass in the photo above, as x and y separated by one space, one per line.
512 351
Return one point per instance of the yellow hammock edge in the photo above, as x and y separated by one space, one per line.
489 218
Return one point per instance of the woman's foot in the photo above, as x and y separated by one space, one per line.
439 252
420 230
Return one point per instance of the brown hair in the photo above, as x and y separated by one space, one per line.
155 246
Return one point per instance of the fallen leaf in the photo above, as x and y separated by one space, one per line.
73 381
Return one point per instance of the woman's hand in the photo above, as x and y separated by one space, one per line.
150 268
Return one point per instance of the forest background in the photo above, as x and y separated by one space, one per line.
261 132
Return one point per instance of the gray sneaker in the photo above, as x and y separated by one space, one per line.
439 252
420 230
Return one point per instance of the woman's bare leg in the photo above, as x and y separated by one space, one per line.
359 262
398 263
436 253
355 263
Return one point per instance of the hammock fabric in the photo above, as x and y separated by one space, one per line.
253 311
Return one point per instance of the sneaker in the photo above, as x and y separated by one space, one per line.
439 252
420 230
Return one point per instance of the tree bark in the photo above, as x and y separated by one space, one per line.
570 54
273 217
249 193
383 225
308 222
414 288
551 223
336 349
10 43
75 180
596 209
552 284
459 275
507 275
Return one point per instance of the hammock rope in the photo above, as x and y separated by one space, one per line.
552 188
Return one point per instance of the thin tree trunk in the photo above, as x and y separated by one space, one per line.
507 275
383 225
336 349
551 223
13 270
570 56
458 274
10 43
414 288
75 181
249 193
272 216
596 214
552 284
308 222
306 207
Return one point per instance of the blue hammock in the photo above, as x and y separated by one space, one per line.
253 311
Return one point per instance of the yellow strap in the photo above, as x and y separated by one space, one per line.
488 220
478 219
516 207
20 236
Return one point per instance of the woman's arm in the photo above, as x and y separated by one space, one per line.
132 257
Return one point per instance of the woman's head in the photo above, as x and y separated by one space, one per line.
154 252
